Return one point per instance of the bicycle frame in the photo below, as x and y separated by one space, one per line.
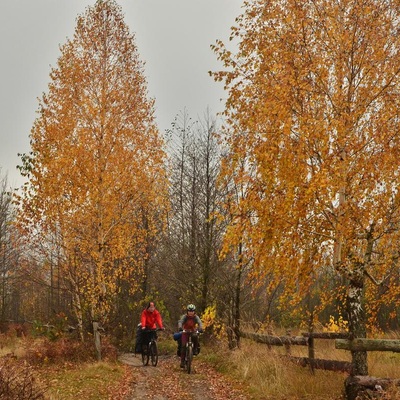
189 349
150 348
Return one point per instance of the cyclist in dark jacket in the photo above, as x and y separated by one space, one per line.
189 322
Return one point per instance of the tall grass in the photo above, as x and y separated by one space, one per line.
269 375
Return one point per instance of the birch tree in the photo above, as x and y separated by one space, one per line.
314 87
96 167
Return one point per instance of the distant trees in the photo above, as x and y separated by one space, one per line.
190 250
9 254
97 186
314 134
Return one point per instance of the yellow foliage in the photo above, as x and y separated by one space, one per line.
212 323
339 325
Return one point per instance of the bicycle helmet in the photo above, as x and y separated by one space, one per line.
191 307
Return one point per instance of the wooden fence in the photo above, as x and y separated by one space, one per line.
354 385
306 339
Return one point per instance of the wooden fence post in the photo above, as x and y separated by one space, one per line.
287 345
311 351
269 332
97 340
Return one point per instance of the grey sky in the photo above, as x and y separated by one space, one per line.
173 38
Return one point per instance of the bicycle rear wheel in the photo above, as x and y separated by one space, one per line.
189 358
145 354
153 353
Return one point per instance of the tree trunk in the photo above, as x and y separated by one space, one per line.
235 339
356 316
97 340
77 307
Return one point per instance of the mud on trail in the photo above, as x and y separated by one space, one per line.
168 381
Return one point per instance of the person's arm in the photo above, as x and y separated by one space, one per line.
199 323
143 319
181 322
159 320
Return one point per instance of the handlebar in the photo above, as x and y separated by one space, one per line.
152 330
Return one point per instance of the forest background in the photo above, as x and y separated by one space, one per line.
288 215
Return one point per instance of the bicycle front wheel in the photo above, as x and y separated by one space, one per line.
153 353
189 359
145 354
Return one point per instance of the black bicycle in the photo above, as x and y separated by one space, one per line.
190 349
149 347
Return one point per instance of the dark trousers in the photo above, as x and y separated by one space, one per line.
143 336
184 340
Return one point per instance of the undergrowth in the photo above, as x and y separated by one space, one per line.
18 381
44 369
268 375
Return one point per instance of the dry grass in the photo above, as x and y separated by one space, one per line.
62 370
265 373
384 364
268 375
90 381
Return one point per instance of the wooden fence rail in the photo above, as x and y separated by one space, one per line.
361 344
306 339
319 363
354 385
275 340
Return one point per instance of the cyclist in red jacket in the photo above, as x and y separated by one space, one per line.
149 319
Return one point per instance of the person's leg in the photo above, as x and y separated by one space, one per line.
178 352
184 339
145 339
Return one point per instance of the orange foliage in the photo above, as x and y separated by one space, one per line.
313 132
96 179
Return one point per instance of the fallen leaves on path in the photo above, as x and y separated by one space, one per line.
169 382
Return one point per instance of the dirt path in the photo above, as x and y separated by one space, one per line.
168 382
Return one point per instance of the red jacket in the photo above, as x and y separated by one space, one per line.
189 322
150 319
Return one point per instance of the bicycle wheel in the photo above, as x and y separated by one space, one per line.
153 353
189 358
145 354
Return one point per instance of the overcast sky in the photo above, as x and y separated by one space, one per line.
173 38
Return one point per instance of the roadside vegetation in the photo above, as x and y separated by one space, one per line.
267 374
40 368
33 368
